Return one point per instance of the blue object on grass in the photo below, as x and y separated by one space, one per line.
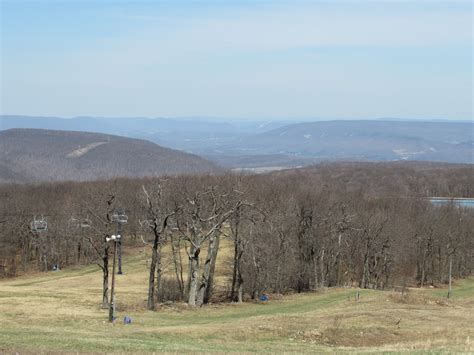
264 298
127 320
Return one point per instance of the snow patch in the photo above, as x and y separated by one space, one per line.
405 153
81 151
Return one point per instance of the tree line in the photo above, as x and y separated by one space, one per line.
346 224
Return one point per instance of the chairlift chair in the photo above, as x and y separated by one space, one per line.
86 223
39 225
73 222
120 217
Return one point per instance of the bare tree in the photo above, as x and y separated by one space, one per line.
200 220
97 236
157 218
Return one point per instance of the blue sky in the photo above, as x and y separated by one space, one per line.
239 59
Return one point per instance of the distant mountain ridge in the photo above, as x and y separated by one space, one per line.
366 140
195 135
263 143
34 155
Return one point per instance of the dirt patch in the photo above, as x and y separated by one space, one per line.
349 337
374 336
417 298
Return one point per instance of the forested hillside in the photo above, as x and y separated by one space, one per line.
33 155
377 140
260 143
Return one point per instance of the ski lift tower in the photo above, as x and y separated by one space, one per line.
39 226
115 239
120 218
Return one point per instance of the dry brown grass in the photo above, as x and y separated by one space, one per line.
59 312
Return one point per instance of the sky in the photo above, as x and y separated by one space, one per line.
237 59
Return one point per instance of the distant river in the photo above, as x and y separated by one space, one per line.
461 202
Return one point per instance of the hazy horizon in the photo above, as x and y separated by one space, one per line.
272 60
251 119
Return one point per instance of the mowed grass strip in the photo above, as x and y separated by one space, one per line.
60 312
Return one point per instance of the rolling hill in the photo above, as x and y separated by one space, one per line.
366 140
34 155
191 134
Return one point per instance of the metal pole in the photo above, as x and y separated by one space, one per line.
112 296
119 232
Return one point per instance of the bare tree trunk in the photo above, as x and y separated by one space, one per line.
78 251
13 266
240 279
151 279
439 265
181 268
67 251
159 273
240 284
210 282
236 258
366 271
233 291
178 266
256 285
44 254
3 267
279 260
315 270
423 266
321 268
338 260
188 280
25 257
193 274
158 226
237 279
105 279
206 275
58 260
450 272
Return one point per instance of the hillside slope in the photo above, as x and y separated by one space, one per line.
254 144
368 140
33 155
58 312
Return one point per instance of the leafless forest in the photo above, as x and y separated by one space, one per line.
348 224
